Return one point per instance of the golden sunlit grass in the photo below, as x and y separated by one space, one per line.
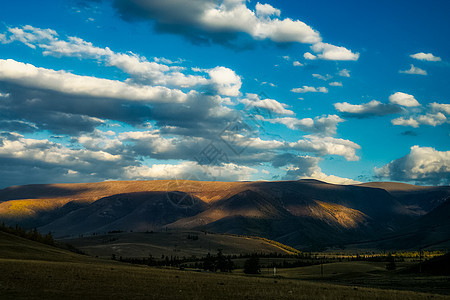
346 217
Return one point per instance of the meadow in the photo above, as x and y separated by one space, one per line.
30 270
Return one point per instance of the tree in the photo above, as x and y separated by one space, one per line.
209 263
390 266
251 265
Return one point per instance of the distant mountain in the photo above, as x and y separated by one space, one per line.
307 214
431 231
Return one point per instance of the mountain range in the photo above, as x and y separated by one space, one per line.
305 214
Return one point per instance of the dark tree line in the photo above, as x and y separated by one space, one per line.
218 262
31 234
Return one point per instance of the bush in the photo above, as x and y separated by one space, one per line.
251 265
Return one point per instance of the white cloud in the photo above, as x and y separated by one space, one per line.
44 151
234 16
421 165
310 89
309 56
344 73
211 18
372 108
425 56
141 70
266 10
319 175
323 125
432 119
335 83
269 104
226 81
405 122
321 77
331 52
403 99
191 170
306 167
414 70
297 64
64 82
328 146
437 107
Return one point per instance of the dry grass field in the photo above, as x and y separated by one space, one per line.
176 243
33 271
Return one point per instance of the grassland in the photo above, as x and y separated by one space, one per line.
34 271
176 243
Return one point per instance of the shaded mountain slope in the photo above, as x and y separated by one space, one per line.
304 213
133 211
431 232
417 199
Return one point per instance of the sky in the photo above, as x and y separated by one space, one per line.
339 91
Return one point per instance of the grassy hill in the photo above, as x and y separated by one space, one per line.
35 271
175 243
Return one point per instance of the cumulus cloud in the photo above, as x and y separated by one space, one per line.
24 160
219 20
68 83
431 119
401 121
45 160
224 21
142 71
423 165
310 89
191 170
34 99
365 110
267 104
51 100
322 125
266 10
306 167
331 52
438 107
225 81
425 56
297 64
309 56
403 99
414 70
328 146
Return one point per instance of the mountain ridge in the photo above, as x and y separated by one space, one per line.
303 213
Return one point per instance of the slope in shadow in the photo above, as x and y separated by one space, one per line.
131 211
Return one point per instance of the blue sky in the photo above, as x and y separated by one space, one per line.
343 92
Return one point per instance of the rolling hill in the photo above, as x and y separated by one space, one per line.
31 270
307 214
